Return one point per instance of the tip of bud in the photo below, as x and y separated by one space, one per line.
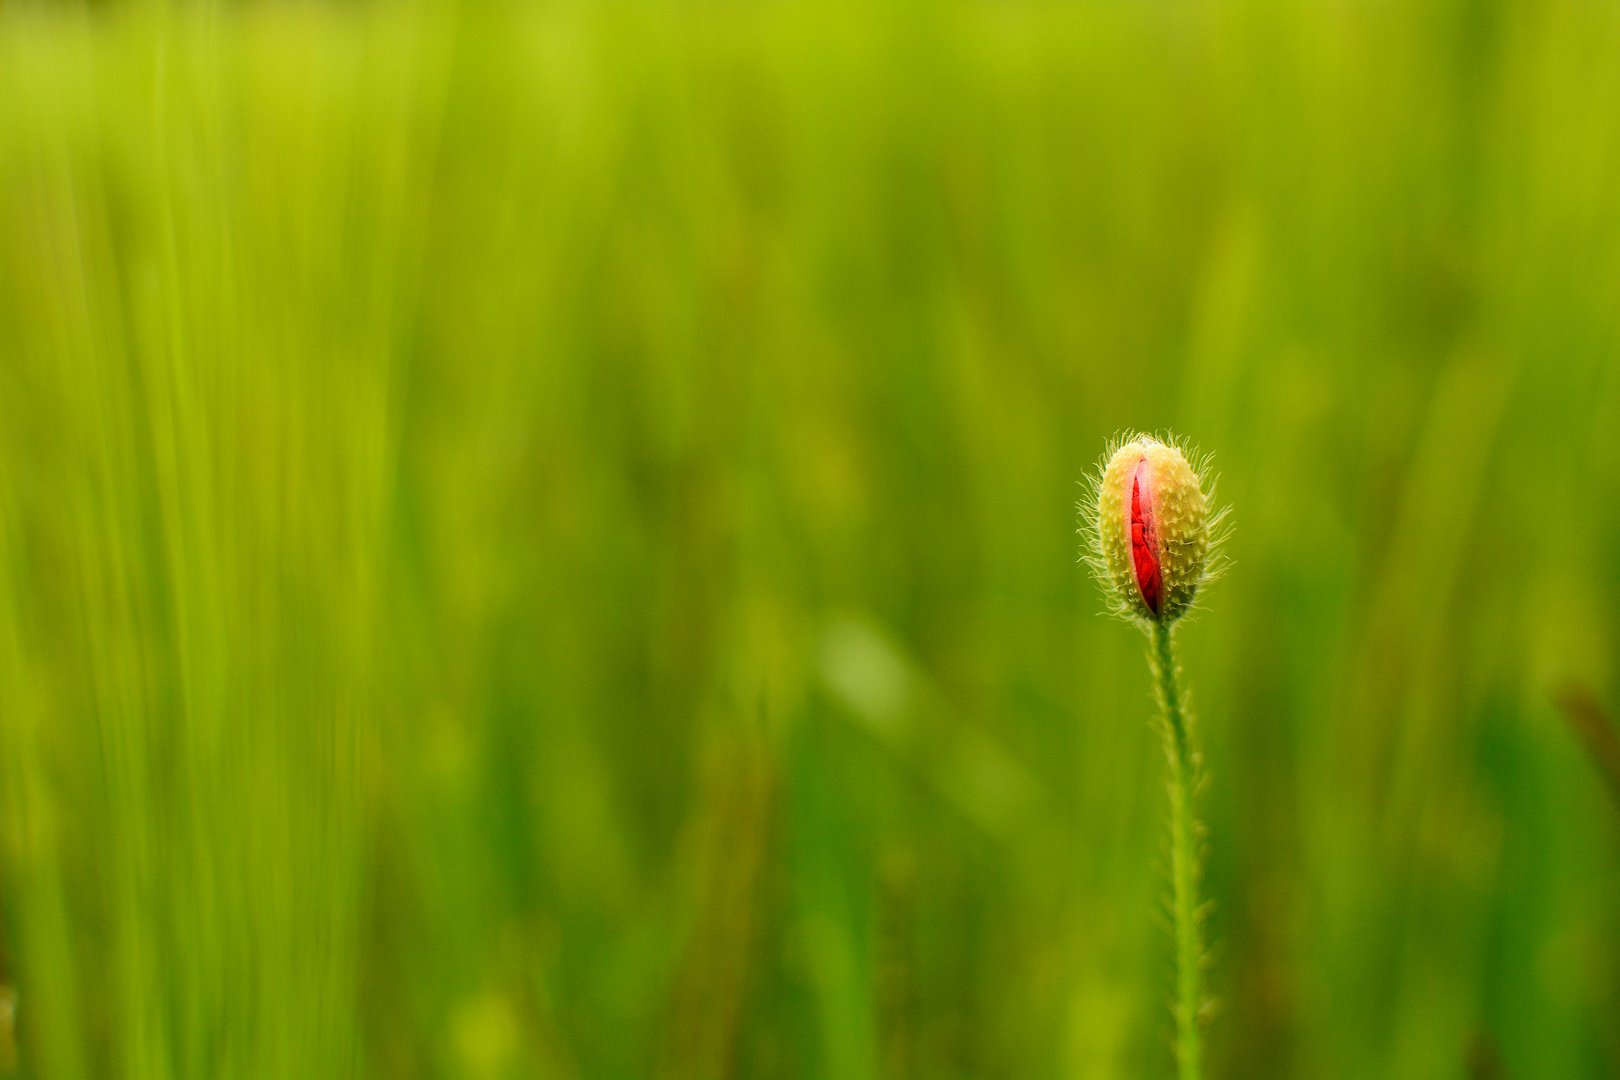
1151 537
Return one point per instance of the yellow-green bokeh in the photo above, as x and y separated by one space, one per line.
539 540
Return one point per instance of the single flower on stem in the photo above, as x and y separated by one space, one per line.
1154 543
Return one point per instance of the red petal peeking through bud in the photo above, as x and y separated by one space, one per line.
1150 533
1145 537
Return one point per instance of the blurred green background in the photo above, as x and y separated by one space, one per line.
539 540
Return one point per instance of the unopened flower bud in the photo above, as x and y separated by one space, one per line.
1152 530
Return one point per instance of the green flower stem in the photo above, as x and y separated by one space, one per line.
1184 853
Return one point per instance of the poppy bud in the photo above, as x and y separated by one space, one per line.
1151 530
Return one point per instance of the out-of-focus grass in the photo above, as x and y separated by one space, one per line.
540 542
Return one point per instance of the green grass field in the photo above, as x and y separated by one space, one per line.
539 540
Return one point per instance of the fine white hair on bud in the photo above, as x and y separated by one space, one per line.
1152 537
